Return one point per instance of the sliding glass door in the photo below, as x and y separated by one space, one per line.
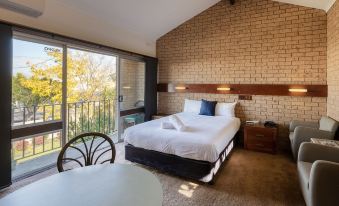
91 93
37 83
131 93
60 91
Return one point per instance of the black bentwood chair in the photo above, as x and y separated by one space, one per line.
86 149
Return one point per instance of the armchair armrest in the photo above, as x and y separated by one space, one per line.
296 123
324 183
310 152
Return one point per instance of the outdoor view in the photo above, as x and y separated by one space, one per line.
37 97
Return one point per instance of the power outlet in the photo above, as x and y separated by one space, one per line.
245 97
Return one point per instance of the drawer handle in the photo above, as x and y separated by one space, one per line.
259 135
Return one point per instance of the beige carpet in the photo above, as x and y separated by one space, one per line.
248 178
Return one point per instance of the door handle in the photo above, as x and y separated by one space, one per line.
121 98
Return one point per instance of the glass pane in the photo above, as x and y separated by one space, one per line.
37 83
33 153
132 84
131 120
91 89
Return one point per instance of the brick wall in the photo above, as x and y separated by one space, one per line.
254 41
333 61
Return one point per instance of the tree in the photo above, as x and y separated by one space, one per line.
89 78
22 94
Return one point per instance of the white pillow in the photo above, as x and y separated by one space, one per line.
167 125
177 123
225 109
192 106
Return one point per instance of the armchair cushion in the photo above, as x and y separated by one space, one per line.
310 152
304 134
324 183
304 169
318 170
328 124
307 133
296 123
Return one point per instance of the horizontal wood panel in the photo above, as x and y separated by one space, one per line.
132 111
250 89
35 129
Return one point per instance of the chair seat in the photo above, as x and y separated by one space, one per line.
291 136
304 171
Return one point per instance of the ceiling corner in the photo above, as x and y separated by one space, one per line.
329 5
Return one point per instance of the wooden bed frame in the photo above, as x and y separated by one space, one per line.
173 164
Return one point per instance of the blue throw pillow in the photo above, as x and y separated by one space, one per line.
207 107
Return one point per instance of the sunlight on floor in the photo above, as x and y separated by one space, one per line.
188 189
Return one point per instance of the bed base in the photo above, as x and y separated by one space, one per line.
203 171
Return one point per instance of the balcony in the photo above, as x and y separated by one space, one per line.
30 154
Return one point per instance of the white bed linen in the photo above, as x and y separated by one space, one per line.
204 139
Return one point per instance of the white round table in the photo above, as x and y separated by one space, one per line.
99 185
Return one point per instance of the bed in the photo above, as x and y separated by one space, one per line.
196 153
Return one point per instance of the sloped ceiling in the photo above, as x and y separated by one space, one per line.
132 25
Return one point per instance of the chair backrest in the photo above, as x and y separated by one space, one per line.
86 149
328 124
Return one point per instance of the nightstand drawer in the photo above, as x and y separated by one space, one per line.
260 138
260 134
261 146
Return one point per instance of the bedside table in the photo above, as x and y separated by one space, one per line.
260 138
160 115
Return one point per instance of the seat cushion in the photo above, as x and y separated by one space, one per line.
291 136
304 171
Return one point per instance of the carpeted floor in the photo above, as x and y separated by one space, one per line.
248 178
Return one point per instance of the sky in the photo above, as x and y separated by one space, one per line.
33 53
28 52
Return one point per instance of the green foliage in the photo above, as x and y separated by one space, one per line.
86 81
22 93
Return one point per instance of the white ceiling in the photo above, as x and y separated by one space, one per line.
133 25
148 18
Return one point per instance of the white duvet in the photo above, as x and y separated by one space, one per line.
205 138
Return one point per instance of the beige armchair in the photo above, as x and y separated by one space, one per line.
318 170
303 132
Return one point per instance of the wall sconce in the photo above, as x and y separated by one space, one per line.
172 88
298 90
223 89
126 87
180 88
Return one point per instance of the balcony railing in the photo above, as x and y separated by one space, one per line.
94 116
